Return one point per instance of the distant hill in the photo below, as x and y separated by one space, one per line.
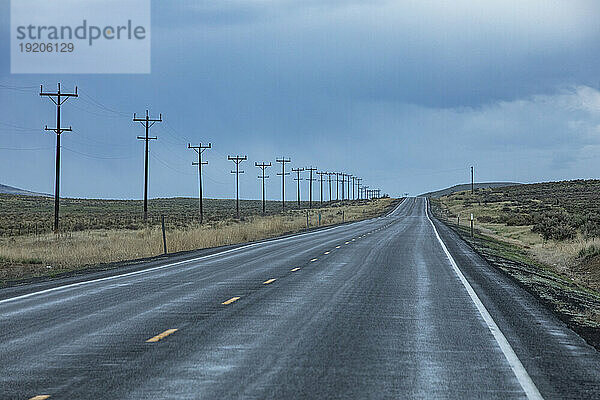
467 186
13 190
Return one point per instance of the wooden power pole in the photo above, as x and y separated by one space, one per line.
237 160
199 150
59 101
147 123
263 166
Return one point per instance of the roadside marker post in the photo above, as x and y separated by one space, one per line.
471 224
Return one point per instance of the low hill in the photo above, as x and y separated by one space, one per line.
13 190
467 186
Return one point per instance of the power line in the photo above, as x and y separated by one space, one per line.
237 160
61 98
283 161
147 123
199 150
28 149
95 157
102 106
263 166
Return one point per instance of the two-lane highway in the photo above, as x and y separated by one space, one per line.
394 307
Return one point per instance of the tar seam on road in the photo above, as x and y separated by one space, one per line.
531 391
143 271
161 336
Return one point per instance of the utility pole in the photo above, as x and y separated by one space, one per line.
348 182
237 160
329 175
200 149
263 166
366 189
353 184
321 181
310 180
358 186
297 171
343 184
283 161
60 100
147 123
337 186
472 181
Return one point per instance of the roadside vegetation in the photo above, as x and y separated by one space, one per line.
546 235
46 254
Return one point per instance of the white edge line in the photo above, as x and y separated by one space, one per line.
143 271
531 391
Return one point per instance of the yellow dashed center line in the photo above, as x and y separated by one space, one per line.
269 281
294 269
353 240
40 397
161 336
337 247
347 243
313 260
326 253
231 300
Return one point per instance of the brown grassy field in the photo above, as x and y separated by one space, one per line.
48 254
556 224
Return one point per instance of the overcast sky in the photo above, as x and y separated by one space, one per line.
405 94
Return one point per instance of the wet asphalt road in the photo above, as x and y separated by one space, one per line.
373 309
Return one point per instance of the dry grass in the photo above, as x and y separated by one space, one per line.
27 256
563 256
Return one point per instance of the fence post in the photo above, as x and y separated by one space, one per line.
319 219
164 235
307 226
343 217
